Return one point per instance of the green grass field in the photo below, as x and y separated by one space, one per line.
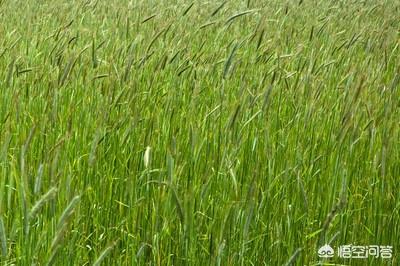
198 133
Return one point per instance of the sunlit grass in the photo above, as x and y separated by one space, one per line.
198 133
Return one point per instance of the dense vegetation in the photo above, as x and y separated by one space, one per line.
198 133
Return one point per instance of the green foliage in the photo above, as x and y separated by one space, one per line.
198 133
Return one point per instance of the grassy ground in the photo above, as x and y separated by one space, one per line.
204 133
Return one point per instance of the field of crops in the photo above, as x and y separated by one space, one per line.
174 132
